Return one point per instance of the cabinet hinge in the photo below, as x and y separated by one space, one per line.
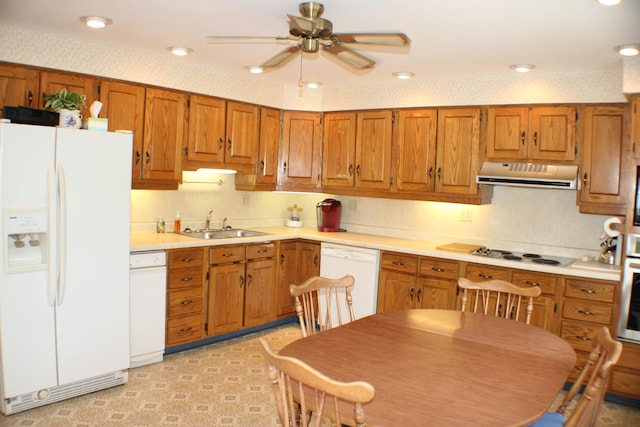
188 102
186 151
206 277
98 89
576 116
555 307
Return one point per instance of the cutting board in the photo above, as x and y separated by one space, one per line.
459 247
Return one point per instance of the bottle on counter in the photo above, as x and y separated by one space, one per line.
160 225
176 223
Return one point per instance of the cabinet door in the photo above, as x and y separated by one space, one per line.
242 133
415 149
260 292
604 159
53 81
507 133
300 162
543 312
287 275
552 133
123 105
458 150
437 293
19 86
205 142
339 149
373 149
163 134
397 291
226 295
635 125
267 168
308 260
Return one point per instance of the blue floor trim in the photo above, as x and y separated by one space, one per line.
235 334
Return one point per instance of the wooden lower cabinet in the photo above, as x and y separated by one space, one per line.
408 281
298 260
241 287
185 296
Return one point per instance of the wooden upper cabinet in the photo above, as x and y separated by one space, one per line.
300 153
221 134
373 149
338 149
19 87
458 146
242 133
54 81
604 159
415 148
123 105
635 125
267 165
163 134
531 134
205 142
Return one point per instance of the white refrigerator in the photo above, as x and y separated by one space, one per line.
64 270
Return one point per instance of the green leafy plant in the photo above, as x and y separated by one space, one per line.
65 99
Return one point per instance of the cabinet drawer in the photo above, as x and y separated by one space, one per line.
588 311
581 361
399 262
184 301
579 335
227 254
187 277
593 291
261 250
184 329
547 283
480 272
437 267
184 258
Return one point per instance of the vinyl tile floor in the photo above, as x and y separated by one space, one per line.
222 384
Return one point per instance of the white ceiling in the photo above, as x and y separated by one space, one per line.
449 37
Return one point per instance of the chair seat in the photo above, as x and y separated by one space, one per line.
550 419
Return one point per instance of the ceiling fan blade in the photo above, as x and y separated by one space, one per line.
247 39
282 58
391 39
349 56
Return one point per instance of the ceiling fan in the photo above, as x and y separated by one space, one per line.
310 31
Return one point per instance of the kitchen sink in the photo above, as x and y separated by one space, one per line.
221 234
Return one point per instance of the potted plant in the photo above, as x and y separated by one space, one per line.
68 105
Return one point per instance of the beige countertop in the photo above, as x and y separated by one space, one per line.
156 241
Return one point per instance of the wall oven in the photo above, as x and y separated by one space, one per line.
629 323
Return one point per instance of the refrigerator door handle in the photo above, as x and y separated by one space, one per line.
62 234
52 191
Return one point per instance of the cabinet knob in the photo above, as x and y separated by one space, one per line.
187 329
358 170
439 173
411 293
485 276
137 157
438 269
350 170
186 302
583 338
281 259
585 178
535 138
589 291
30 98
229 146
588 313
522 137
528 282
187 259
220 143
186 279
148 157
315 260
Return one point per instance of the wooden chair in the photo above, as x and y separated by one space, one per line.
497 297
300 389
597 370
321 303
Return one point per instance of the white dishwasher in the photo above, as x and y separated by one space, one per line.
147 306
362 263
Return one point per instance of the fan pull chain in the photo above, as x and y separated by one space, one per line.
300 82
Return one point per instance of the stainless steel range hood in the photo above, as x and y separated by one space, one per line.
529 175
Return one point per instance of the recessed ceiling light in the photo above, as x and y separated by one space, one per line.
180 51
629 49
95 21
255 69
312 85
609 2
522 68
403 75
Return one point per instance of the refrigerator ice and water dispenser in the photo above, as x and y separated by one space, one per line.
25 239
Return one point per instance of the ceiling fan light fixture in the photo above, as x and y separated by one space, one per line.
95 21
403 75
180 51
522 68
628 49
255 69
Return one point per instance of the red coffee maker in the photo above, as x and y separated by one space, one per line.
328 212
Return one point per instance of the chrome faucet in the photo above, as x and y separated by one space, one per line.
207 222
224 224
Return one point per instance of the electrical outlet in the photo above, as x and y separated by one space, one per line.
465 215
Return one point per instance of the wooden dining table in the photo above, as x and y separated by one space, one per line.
443 367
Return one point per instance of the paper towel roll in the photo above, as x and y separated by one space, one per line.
607 226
